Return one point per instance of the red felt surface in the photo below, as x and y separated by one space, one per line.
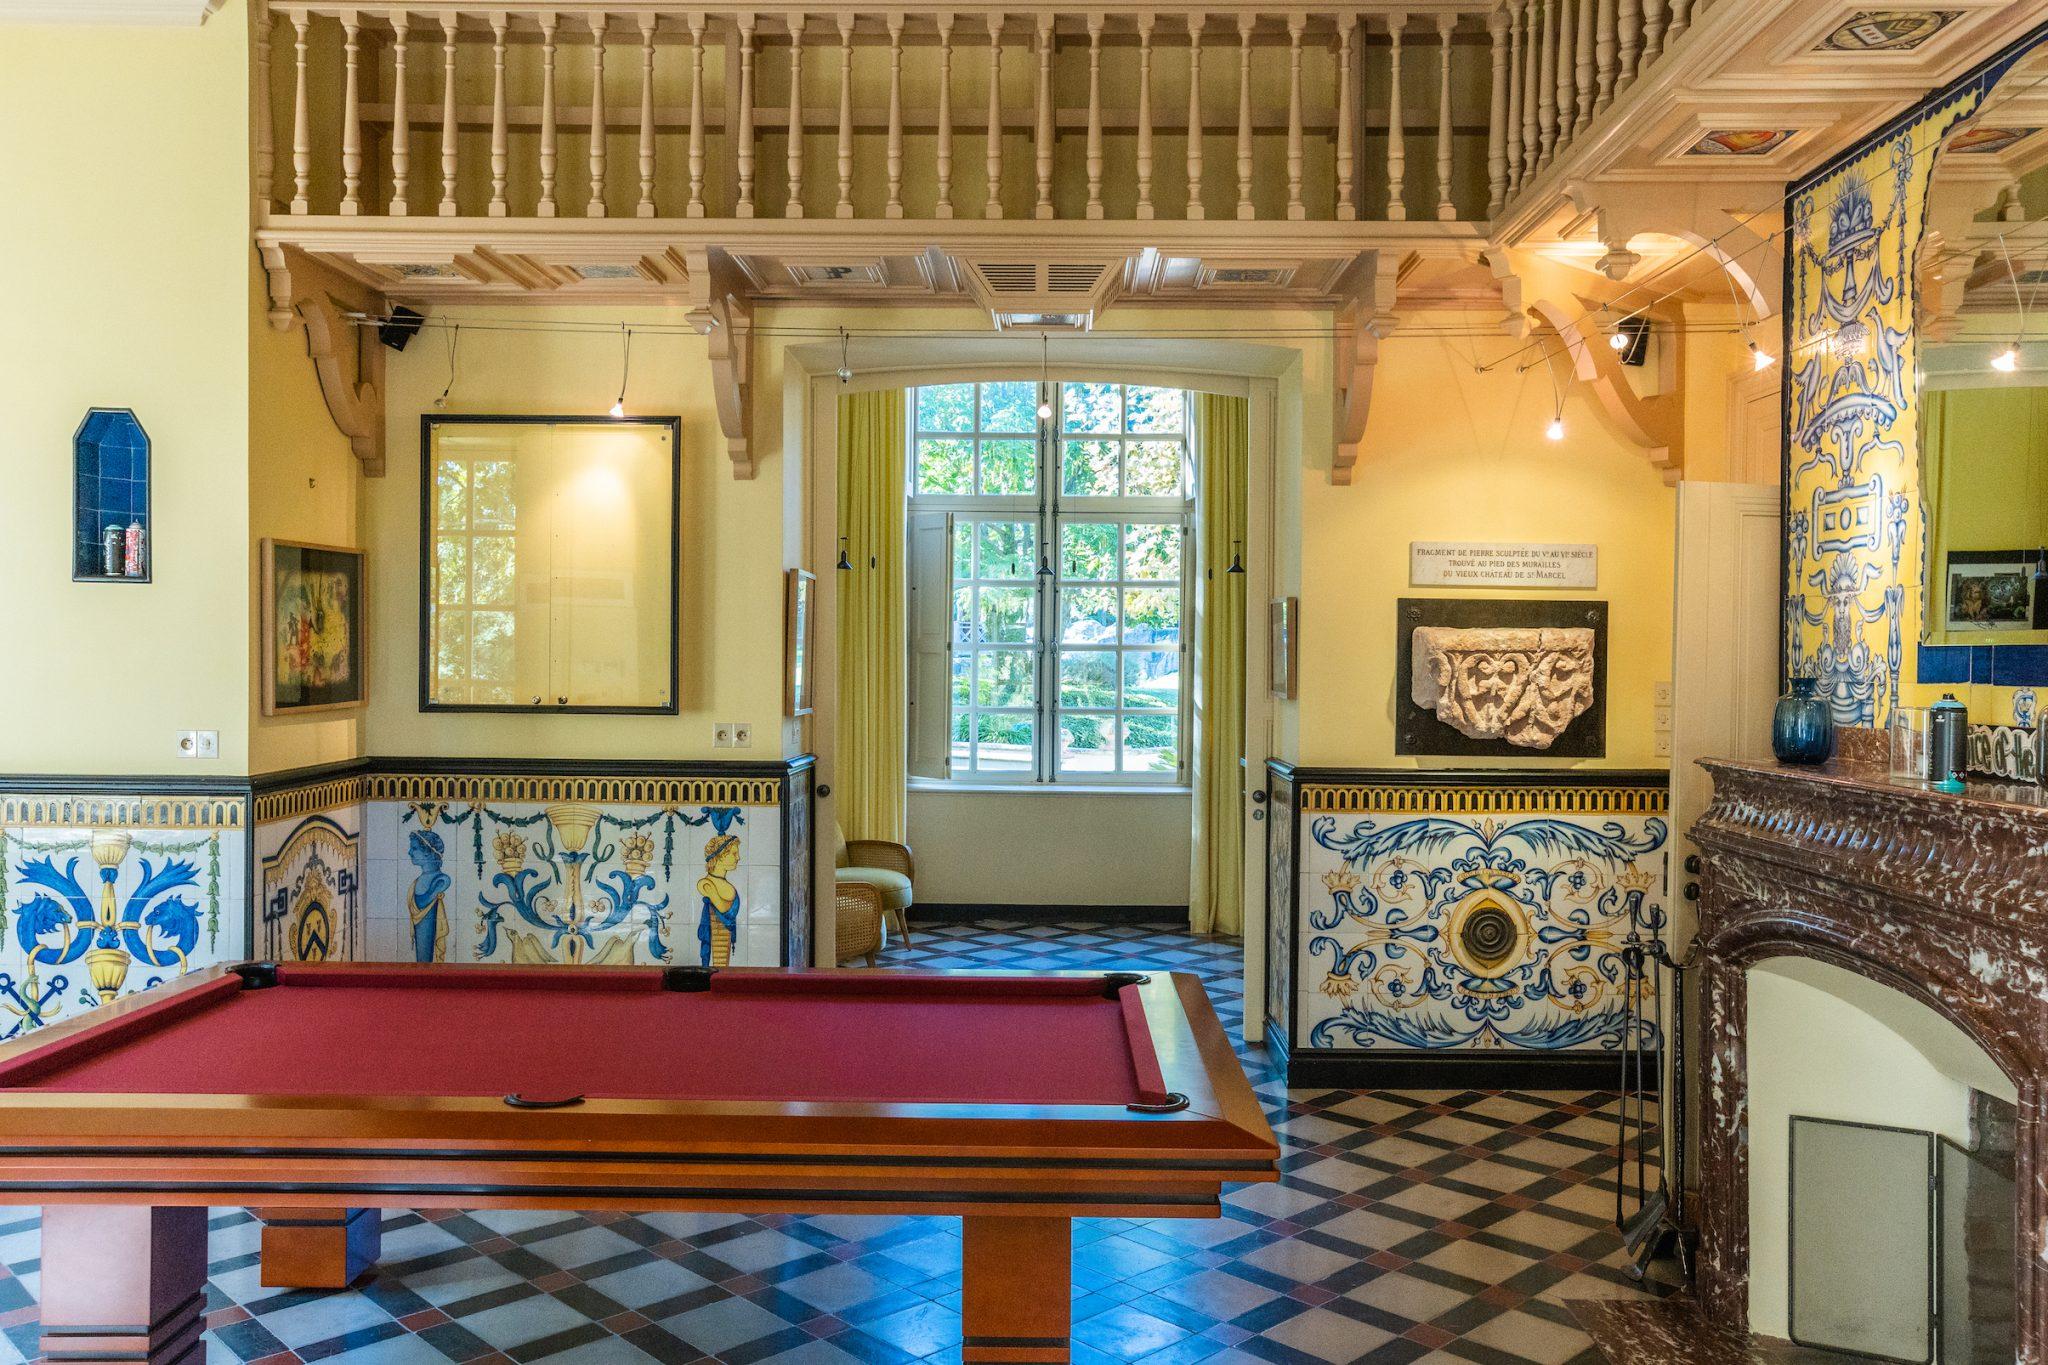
619 1035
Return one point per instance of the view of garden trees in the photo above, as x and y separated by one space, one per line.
1100 563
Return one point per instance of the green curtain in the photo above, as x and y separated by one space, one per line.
1216 879
872 662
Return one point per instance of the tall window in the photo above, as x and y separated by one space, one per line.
1049 571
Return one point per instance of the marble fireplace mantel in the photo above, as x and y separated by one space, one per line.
1942 897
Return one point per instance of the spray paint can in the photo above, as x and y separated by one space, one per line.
133 550
111 551
1948 742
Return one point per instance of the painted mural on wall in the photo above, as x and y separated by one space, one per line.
1434 921
581 882
1854 522
101 897
309 883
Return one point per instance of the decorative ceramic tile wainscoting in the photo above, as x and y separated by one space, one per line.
106 891
1459 928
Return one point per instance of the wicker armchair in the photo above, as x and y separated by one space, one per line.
859 912
887 867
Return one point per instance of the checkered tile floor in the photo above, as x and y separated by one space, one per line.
1409 1226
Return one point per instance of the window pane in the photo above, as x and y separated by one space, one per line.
451 495
1152 551
963 742
963 678
963 550
490 654
1088 469
1009 466
963 616
493 502
1005 744
946 407
493 569
1087 744
1009 616
1007 549
1092 407
451 659
451 569
1088 616
1088 550
1088 678
1152 680
1151 616
1152 468
945 465
1009 406
1156 410
1004 678
1152 744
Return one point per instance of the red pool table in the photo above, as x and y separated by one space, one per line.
318 1094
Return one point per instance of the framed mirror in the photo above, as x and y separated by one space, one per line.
549 563
1984 373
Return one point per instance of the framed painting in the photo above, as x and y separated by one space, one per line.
1991 590
796 653
313 625
1283 619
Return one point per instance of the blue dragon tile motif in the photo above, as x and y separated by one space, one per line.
1438 932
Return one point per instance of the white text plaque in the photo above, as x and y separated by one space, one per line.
1481 564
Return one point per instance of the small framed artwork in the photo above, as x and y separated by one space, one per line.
1283 620
797 611
1994 590
313 628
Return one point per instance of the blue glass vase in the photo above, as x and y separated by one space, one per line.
1802 729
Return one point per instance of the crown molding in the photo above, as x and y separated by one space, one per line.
157 13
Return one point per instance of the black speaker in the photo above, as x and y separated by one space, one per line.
1637 330
400 327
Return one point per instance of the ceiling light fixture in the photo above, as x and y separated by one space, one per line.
625 370
454 342
2008 360
1044 377
1759 358
845 368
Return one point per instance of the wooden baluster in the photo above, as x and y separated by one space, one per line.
845 206
1631 26
449 128
1653 31
745 152
266 139
1603 56
1094 146
1144 208
1681 20
1497 21
795 207
302 133
596 207
550 133
1297 22
1045 131
1195 209
1446 205
351 114
895 145
695 208
1582 75
1532 60
645 207
401 118
1565 20
1546 84
500 155
1245 24
1397 152
994 207
1517 94
1347 118
944 207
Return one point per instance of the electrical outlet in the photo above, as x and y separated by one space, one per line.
721 735
1664 720
1663 694
742 736
198 744
1663 744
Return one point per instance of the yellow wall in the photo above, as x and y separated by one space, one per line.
1454 455
126 220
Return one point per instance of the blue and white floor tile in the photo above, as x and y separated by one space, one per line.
1409 1226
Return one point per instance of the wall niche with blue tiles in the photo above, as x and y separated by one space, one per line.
110 473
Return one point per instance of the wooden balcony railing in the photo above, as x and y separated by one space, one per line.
526 110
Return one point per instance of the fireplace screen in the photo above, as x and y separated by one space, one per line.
1977 1235
1862 1239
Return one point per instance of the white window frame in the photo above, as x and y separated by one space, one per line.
1049 510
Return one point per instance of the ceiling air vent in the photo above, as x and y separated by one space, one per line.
1044 294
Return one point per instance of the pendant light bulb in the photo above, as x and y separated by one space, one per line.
1617 340
1044 377
1555 431
618 407
1759 358
845 369
2007 360
618 410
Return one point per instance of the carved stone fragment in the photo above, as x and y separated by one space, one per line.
1521 685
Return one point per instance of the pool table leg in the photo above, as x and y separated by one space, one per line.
1016 1289
123 1283
318 1248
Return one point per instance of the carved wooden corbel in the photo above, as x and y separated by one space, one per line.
1363 322
1656 424
347 359
724 314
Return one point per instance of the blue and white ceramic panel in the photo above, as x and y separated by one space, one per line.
310 903
104 896
1479 924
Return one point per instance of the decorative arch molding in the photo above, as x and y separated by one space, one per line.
1655 425
347 358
